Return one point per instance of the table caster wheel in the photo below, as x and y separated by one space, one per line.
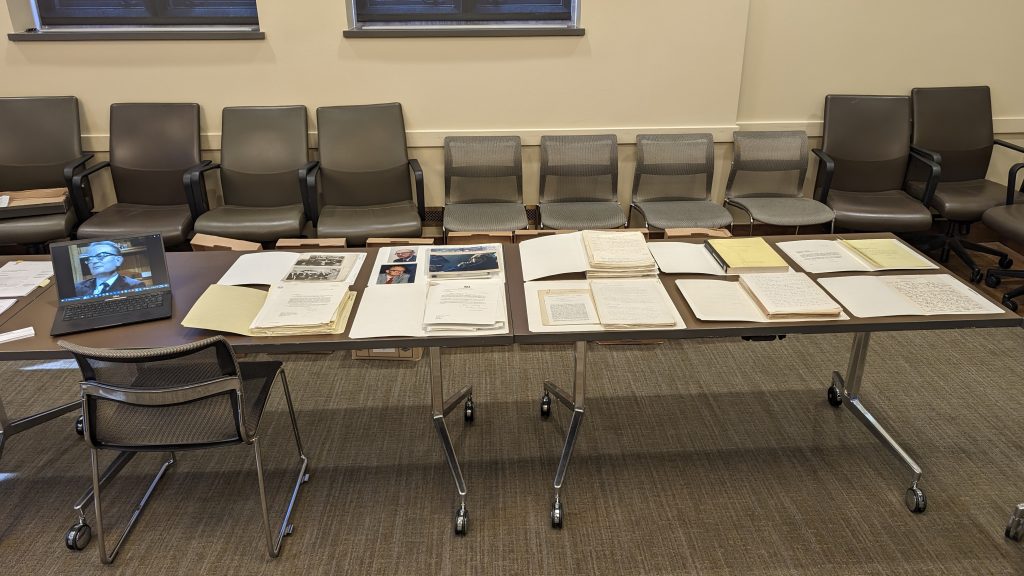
545 405
915 500
557 515
976 275
992 281
835 398
1010 304
461 521
80 426
78 536
468 413
1015 530
1005 262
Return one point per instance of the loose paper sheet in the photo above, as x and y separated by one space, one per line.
553 255
684 258
639 303
823 256
259 268
20 277
887 254
463 305
907 295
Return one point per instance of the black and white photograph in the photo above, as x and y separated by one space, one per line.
313 273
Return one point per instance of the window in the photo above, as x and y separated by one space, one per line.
470 17
146 12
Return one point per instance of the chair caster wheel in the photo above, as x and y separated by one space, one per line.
468 413
78 536
915 500
976 275
545 405
461 521
992 281
1015 530
835 398
80 426
1010 304
557 515
1005 262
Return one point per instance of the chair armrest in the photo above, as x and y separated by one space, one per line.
417 172
933 156
81 195
933 176
824 181
195 188
1009 145
75 166
307 184
1011 181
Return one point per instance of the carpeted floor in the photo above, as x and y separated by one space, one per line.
701 457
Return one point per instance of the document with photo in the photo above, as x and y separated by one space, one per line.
475 261
398 265
271 267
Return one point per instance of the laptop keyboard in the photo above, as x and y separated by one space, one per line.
111 307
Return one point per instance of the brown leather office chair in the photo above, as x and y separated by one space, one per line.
263 168
955 126
483 184
152 148
1007 220
865 154
40 147
579 182
365 189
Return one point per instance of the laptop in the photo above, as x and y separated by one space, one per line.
110 282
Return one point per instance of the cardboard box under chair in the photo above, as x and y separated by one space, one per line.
378 242
469 238
207 242
697 233
286 243
36 202
408 354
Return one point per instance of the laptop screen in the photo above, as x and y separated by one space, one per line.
97 269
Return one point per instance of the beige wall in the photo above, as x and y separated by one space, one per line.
682 65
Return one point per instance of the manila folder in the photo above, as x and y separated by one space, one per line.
226 309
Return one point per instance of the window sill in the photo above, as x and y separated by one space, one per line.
457 32
134 34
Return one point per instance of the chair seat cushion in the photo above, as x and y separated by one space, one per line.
37 229
885 211
357 223
1007 220
685 214
790 211
962 201
255 224
174 222
493 216
582 215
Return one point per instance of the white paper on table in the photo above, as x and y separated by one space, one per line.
823 256
907 295
552 255
397 310
6 303
300 304
616 248
684 258
259 268
20 277
633 302
725 301
536 321
789 293
465 303
567 307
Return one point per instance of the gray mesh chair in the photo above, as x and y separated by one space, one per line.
40 147
483 184
152 148
672 182
263 168
767 178
185 397
955 126
364 175
579 182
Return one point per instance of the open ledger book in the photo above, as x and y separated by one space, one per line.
864 255
780 297
599 254
288 309
603 304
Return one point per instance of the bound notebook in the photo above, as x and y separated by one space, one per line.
789 295
745 255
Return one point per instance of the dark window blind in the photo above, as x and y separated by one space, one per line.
462 10
146 12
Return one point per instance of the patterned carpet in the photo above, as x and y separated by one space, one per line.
701 457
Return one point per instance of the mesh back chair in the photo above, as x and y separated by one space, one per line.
365 189
672 182
864 157
955 126
767 178
579 182
40 147
263 169
169 399
483 184
152 149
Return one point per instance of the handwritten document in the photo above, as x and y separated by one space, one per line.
907 295
623 304
789 294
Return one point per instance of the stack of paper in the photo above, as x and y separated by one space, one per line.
288 309
632 304
789 295
462 306
20 277
907 295
617 255
481 261
595 305
824 256
745 255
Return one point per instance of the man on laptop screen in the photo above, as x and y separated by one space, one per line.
104 261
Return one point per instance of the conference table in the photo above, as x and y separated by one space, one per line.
191 273
843 390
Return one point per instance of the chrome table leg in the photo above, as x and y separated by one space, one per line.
575 402
440 407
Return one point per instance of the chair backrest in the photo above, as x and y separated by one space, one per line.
869 139
956 122
38 138
579 168
363 156
151 147
673 167
262 150
768 163
177 398
483 169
